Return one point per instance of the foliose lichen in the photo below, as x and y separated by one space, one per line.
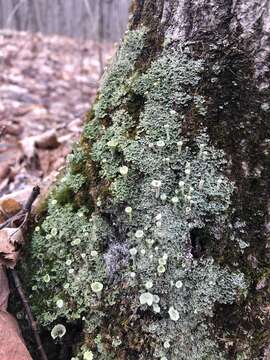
158 289
115 84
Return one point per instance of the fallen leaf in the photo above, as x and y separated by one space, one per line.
13 235
4 170
4 184
19 196
13 129
4 289
57 96
75 126
2 217
47 140
10 206
10 241
12 346
28 147
11 342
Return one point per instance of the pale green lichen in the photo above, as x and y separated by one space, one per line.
71 274
174 186
115 83
73 181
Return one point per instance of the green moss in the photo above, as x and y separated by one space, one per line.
175 186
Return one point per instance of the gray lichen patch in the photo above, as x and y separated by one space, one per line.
136 269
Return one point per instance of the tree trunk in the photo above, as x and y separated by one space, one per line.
155 241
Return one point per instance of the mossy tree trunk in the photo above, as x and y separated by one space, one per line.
155 242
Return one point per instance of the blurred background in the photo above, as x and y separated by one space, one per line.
52 56
83 19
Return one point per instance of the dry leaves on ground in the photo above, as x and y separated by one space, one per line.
11 342
47 84
11 240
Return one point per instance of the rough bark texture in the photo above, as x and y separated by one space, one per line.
155 242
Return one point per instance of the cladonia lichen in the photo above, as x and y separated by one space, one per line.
154 282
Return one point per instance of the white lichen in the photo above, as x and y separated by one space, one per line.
58 331
146 298
174 314
97 287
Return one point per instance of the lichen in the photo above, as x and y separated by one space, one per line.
115 83
64 247
175 187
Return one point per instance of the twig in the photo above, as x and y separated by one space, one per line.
6 223
24 215
34 194
32 322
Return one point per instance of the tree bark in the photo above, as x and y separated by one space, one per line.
156 237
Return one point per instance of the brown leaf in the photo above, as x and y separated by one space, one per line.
2 217
19 196
4 289
4 170
12 346
13 129
47 140
28 147
11 343
10 238
10 206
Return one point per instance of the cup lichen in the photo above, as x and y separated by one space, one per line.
169 89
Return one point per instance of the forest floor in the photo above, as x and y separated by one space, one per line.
47 84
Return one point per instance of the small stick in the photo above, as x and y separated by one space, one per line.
34 194
6 223
28 207
30 316
24 215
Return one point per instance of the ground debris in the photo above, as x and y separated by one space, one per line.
12 345
46 87
10 239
